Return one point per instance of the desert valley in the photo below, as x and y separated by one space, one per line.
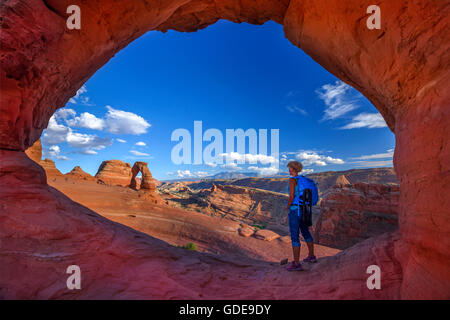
318 71
239 222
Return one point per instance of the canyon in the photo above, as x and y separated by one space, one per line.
401 68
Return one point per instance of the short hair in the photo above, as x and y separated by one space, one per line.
297 166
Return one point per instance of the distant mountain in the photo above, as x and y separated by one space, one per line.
233 175
325 180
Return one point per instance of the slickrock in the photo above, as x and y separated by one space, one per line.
354 212
115 173
266 235
246 232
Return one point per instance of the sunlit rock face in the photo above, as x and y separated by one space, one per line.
114 172
401 68
351 213
146 180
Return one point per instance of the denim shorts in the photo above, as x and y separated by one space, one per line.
296 225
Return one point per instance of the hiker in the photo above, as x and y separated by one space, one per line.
296 209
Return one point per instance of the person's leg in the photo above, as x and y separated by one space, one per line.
296 253
308 238
295 235
310 248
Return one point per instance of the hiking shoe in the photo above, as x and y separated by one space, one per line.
311 259
294 267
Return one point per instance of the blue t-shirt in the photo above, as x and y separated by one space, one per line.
294 206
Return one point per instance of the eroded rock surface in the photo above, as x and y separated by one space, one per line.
352 213
146 180
401 68
78 173
114 172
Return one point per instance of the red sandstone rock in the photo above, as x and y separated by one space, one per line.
342 180
146 180
246 232
50 168
266 235
352 213
78 173
114 172
35 151
402 69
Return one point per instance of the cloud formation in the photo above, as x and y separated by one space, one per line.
124 122
336 98
313 158
138 153
366 120
57 133
188 174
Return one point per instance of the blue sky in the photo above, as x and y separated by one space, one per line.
228 76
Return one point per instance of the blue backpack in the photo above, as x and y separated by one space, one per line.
305 196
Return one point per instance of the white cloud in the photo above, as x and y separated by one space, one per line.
121 140
369 120
137 153
210 164
57 133
336 99
264 171
249 158
188 174
80 97
388 154
307 171
54 152
87 141
64 113
231 166
123 122
89 152
295 109
87 120
370 160
313 158
380 163
115 121
141 143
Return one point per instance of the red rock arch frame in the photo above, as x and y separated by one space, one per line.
402 69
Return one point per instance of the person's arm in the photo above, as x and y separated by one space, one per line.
291 192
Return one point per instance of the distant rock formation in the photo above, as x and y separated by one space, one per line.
114 172
342 180
146 180
352 213
50 168
35 151
325 180
78 173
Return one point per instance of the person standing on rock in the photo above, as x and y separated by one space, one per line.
295 212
